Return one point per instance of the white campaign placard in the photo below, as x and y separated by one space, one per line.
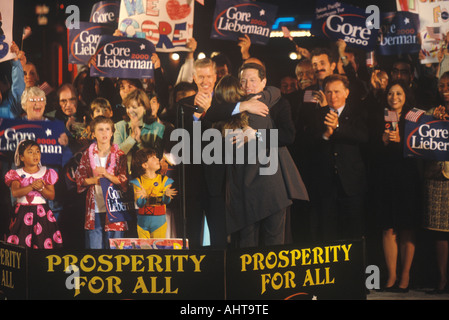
6 20
168 24
434 25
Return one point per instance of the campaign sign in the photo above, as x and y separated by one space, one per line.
126 274
336 20
323 271
45 133
119 203
83 41
168 24
235 18
6 29
427 138
122 57
434 25
399 33
12 272
105 12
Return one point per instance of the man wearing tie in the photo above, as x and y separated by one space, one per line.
340 171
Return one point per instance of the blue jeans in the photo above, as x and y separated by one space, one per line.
98 238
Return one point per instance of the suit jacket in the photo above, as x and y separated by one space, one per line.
341 156
253 196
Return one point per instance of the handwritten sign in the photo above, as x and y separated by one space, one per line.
168 24
6 21
434 25
233 19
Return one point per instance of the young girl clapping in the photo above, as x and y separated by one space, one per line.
33 224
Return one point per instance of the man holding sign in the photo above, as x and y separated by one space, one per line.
101 160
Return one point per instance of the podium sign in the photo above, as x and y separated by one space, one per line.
319 272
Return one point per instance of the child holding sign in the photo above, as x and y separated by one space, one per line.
32 184
152 191
102 159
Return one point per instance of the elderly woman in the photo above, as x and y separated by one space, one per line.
33 103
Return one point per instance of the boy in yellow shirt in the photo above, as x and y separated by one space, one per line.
152 191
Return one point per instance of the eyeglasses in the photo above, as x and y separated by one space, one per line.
64 101
42 99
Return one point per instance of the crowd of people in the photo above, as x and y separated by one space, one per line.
340 169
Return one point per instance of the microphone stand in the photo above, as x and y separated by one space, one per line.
182 184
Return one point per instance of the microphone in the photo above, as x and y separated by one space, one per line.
197 109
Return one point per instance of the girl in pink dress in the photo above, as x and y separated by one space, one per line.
33 224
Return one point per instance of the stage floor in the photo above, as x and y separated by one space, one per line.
416 294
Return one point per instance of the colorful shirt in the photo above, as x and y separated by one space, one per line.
115 163
49 176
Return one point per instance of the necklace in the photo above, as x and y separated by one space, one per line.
110 165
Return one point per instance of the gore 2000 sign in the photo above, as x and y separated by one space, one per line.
354 34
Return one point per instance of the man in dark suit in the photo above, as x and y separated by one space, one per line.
205 184
195 194
340 171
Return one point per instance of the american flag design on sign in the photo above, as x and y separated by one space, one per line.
414 114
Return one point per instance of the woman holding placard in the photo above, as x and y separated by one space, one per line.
398 205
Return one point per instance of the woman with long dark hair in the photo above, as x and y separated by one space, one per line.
399 193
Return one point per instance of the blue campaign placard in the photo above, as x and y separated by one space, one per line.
119 203
234 19
122 57
105 12
45 133
83 41
427 138
399 33
336 20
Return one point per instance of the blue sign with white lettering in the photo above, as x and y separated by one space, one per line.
83 41
336 20
119 203
105 12
45 133
122 57
399 33
234 19
427 138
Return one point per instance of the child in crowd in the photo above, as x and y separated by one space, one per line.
152 191
98 107
32 184
102 159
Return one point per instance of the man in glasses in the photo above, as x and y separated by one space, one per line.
69 112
